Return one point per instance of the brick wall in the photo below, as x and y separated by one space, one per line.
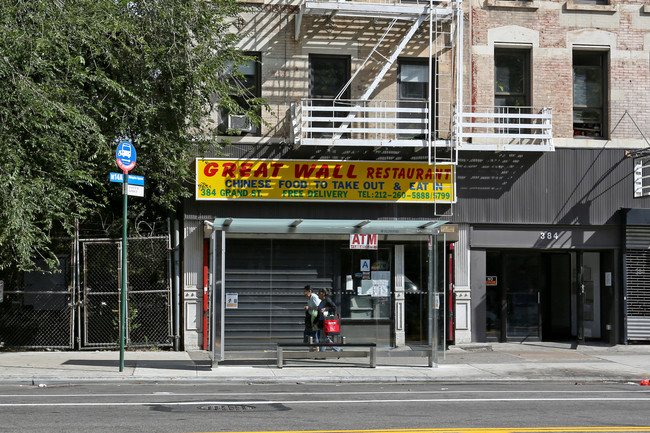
622 33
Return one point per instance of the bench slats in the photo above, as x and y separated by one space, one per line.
304 354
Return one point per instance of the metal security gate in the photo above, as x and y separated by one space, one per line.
638 295
149 306
637 283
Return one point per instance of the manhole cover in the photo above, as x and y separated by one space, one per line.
227 407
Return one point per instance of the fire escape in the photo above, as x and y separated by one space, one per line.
441 124
366 120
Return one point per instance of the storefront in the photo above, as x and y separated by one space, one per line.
547 283
362 229
386 277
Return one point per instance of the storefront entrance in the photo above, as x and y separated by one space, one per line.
366 295
549 296
261 267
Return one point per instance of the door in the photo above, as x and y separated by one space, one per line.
522 296
327 76
366 299
556 296
513 284
591 295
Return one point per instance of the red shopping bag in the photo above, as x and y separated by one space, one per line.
331 325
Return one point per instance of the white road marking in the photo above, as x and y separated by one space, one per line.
307 393
307 402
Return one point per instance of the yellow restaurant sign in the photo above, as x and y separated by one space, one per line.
308 180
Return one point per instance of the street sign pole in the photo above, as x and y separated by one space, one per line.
123 289
125 158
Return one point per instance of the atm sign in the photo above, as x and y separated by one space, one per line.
363 242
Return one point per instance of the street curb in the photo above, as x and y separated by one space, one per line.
36 381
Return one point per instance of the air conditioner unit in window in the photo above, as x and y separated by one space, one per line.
239 122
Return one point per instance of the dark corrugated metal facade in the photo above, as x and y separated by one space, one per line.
568 186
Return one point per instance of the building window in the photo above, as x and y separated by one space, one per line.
250 83
589 93
512 88
511 78
328 76
413 80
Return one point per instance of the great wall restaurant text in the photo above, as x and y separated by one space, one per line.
316 180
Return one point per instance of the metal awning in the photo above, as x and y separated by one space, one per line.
327 226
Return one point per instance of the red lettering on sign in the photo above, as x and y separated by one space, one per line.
211 169
443 172
323 171
363 241
276 168
229 169
262 170
245 169
304 170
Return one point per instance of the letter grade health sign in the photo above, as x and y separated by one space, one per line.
307 180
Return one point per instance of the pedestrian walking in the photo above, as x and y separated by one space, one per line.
311 315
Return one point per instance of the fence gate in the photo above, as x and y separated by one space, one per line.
149 313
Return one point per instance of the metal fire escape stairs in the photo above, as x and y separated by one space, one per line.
445 45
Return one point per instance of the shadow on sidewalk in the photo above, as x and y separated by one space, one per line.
153 364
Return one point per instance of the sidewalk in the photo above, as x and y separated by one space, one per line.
465 363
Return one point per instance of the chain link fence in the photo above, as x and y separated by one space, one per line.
59 311
149 295
36 309
100 292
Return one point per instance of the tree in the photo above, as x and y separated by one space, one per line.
77 77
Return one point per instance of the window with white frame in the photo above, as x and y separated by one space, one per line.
413 93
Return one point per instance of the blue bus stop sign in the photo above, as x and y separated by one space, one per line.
125 156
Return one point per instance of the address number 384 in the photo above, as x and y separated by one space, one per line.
549 235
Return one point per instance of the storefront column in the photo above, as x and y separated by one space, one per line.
400 335
217 304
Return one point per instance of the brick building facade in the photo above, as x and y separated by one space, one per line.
533 105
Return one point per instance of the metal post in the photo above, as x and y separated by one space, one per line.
76 300
430 304
177 286
436 306
123 289
443 304
430 294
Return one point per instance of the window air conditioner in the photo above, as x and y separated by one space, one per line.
239 122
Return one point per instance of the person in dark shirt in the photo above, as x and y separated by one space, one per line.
326 308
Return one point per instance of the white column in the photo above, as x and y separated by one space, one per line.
400 336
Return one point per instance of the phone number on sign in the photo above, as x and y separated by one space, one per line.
422 195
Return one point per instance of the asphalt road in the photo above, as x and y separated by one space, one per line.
522 407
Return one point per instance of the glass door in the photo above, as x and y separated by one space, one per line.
522 287
513 285
366 295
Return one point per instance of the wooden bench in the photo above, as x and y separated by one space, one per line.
368 349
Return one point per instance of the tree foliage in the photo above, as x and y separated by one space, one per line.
78 76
